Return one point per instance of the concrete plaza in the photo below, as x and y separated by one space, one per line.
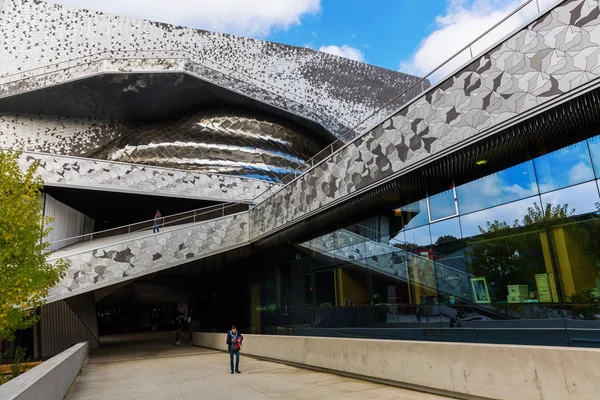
140 369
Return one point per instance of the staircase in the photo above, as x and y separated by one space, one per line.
111 259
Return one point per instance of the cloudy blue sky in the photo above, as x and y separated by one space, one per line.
413 36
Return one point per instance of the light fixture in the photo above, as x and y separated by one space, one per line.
481 162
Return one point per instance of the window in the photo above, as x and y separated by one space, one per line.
442 205
565 167
502 187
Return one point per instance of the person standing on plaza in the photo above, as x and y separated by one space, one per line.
234 344
157 218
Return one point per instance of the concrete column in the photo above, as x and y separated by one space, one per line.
549 267
254 307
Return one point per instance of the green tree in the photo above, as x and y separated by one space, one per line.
552 215
25 273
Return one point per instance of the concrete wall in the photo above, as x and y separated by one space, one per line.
60 328
50 380
464 370
84 306
68 223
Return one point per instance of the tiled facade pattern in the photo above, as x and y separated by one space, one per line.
555 54
233 142
92 269
131 178
393 262
36 34
57 135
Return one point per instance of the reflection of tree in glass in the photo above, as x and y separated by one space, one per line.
445 239
448 244
512 254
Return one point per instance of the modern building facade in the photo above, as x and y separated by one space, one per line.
465 211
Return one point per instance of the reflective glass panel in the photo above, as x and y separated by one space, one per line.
508 265
476 223
418 237
576 244
445 231
399 239
389 279
565 167
325 288
448 246
352 286
506 251
414 214
574 200
442 205
594 144
502 187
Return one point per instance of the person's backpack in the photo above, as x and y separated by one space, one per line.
238 345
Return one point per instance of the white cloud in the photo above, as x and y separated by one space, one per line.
255 18
580 172
344 51
581 198
462 22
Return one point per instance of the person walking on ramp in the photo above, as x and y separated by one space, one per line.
157 218
234 343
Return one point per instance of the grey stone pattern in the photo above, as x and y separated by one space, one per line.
122 177
35 34
57 135
393 262
92 269
555 54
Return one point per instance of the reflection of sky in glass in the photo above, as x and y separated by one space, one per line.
449 227
442 205
564 167
595 150
419 212
581 198
512 184
398 239
419 236
507 213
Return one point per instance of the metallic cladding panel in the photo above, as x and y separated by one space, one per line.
226 142
337 90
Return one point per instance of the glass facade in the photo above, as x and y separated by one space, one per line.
513 257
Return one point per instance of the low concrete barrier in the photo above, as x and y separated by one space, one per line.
462 370
50 380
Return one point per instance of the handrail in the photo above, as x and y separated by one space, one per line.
331 150
392 248
204 210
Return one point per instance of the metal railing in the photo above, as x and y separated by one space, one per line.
389 248
351 134
187 217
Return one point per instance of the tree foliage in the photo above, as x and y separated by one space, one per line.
511 253
25 273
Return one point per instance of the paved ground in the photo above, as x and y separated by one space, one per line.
159 370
